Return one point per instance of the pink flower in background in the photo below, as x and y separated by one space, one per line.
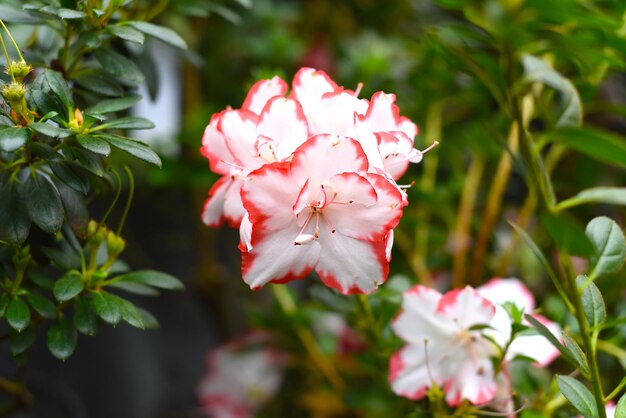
444 347
241 377
499 291
347 340
321 211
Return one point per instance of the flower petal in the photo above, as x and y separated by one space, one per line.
323 156
283 121
350 265
239 130
262 92
466 307
500 291
275 258
408 372
214 147
224 203
309 85
535 346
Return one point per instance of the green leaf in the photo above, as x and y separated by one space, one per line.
85 318
12 14
59 86
610 246
118 65
541 329
578 395
115 105
129 122
50 130
70 174
14 220
136 288
620 409
576 353
13 138
162 33
41 279
18 314
108 307
4 303
538 70
43 204
22 341
131 315
601 145
42 305
126 33
44 151
607 195
152 278
149 320
94 144
135 148
593 303
567 234
68 287
89 161
70 14
75 208
62 339
101 84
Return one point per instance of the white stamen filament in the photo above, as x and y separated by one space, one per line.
358 89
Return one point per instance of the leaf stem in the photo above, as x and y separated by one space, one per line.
131 193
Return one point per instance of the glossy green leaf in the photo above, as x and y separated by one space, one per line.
70 174
601 145
620 409
18 314
44 151
131 315
538 70
152 278
43 204
606 195
85 318
68 287
93 144
13 138
41 279
567 234
135 148
70 14
578 395
62 339
19 342
75 208
543 330
136 288
108 307
12 14
127 33
42 305
4 303
59 86
50 130
101 84
593 303
115 105
14 220
129 122
89 161
118 65
149 321
576 353
609 246
162 33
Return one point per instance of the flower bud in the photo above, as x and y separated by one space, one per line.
115 244
18 70
14 92
92 227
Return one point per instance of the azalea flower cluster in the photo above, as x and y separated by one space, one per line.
453 339
309 178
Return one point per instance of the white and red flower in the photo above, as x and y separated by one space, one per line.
324 211
241 377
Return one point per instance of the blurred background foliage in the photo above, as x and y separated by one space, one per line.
460 70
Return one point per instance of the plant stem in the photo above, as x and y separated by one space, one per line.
461 237
372 326
325 366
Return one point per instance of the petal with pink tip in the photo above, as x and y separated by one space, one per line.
268 196
364 219
418 321
396 150
283 121
500 291
214 147
350 265
323 156
382 114
223 204
337 115
466 307
239 130
408 372
262 92
276 258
